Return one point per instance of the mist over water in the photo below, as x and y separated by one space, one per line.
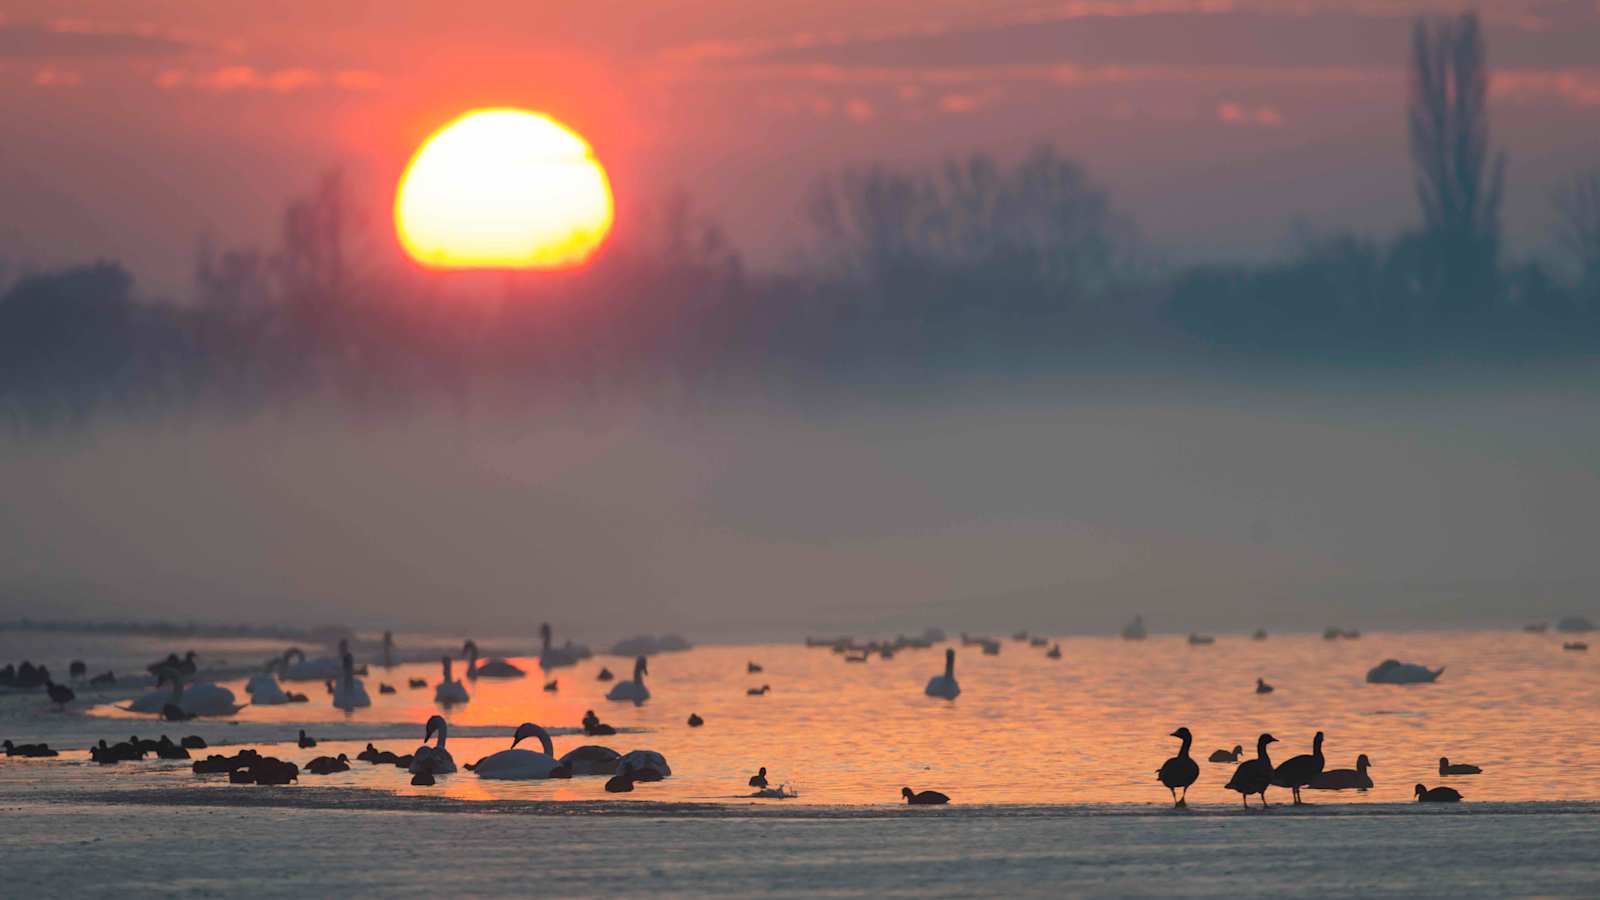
1061 505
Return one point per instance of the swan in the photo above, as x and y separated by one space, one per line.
923 798
515 764
1437 795
633 690
945 685
449 690
1344 779
263 686
350 693
494 668
1448 768
1298 771
1180 771
198 699
554 657
644 762
322 668
1393 671
621 783
591 759
1254 776
436 759
1226 755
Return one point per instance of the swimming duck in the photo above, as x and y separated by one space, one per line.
1226 756
417 683
751 668
923 798
1055 652
1393 671
1448 768
552 685
306 742
1344 779
605 675
385 688
757 692
1437 795
166 749
327 765
945 686
28 750
695 721
1201 640
1262 687
1180 771
192 742
759 780
1298 771
592 725
1254 776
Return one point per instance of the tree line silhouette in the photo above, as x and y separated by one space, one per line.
974 264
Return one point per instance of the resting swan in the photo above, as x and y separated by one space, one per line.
320 669
350 693
633 690
519 764
449 690
435 759
199 699
945 685
263 686
494 668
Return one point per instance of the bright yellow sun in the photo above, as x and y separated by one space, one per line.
503 189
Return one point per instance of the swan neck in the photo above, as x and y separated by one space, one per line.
444 732
549 747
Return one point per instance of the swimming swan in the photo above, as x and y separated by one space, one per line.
494 668
320 669
945 685
591 759
633 690
350 693
449 690
515 764
435 759
646 765
263 686
199 699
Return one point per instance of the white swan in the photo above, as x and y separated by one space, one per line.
435 760
263 687
202 698
323 668
350 693
569 654
519 764
494 668
632 690
449 690
639 760
945 685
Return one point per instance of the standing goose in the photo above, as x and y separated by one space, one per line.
494 668
1180 771
945 685
515 764
1299 771
1437 795
436 759
1254 776
1344 779
449 690
633 690
1227 756
1448 768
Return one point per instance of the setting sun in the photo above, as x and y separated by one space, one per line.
503 189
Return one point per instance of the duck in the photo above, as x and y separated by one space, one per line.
647 765
60 694
192 742
923 798
1226 756
1201 640
1436 795
592 725
945 686
759 780
184 665
1260 635
1448 768
695 721
436 759
591 759
369 755
757 692
417 683
328 765
449 690
1262 687
752 668
1344 779
621 783
266 770
216 763
494 668
32 751
1254 776
605 675
1180 771
1579 646
552 685
518 764
306 742
1298 771
350 693
385 688
632 690
552 657
166 749
1055 652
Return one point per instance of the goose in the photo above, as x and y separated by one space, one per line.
306 742
263 686
1344 779
553 685
517 764
647 765
945 685
1180 771
751 668
593 726
621 783
552 657
923 798
632 690
1055 652
759 780
494 668
1254 776
1436 795
605 674
1262 687
350 693
436 759
327 765
695 721
1226 756
1298 771
591 759
1134 631
60 694
760 691
449 690
1448 768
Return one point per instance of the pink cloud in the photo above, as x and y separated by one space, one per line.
51 77
1573 87
1241 115
858 110
278 81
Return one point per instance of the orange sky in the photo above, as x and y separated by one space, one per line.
132 126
